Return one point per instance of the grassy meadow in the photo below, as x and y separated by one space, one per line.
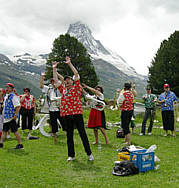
43 163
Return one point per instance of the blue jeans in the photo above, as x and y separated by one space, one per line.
149 112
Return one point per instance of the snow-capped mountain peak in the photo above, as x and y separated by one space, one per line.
97 50
36 60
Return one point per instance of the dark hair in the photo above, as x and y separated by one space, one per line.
26 89
51 80
65 77
100 87
127 86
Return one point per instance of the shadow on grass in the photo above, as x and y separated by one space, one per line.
86 166
20 152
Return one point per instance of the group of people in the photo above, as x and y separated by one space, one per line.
167 100
12 106
67 90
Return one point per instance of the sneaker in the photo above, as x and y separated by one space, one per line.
1 145
141 134
28 136
149 133
8 136
96 143
70 159
90 157
165 135
19 146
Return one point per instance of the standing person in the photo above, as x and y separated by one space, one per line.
1 109
27 110
134 92
53 102
10 111
167 99
149 102
97 118
125 101
71 109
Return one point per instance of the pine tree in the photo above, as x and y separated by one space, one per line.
165 65
65 45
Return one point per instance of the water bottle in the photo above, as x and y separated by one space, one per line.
99 147
151 148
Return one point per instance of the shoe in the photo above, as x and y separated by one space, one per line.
1 145
8 136
141 134
90 157
28 136
96 143
19 146
173 135
70 159
165 135
149 133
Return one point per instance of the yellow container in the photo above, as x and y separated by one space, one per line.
123 156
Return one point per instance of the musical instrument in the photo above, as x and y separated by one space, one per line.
95 103
43 123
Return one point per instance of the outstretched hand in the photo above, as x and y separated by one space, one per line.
68 61
54 64
42 73
84 85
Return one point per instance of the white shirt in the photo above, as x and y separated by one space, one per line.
54 98
16 103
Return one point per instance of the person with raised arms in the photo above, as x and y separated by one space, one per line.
53 100
71 108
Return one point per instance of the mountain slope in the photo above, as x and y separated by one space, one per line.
10 72
111 68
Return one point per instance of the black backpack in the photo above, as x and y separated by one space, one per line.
125 168
120 133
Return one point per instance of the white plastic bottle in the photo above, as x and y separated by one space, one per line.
151 148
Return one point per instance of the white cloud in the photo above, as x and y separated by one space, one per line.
134 28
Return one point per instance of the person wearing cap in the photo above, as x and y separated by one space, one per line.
71 109
125 101
167 99
53 99
149 102
27 110
10 111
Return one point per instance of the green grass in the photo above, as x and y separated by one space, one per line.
43 163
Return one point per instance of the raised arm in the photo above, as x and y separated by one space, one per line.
75 72
96 92
83 91
56 75
42 80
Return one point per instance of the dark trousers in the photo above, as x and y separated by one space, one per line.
132 121
168 120
149 112
76 120
54 116
27 118
125 120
